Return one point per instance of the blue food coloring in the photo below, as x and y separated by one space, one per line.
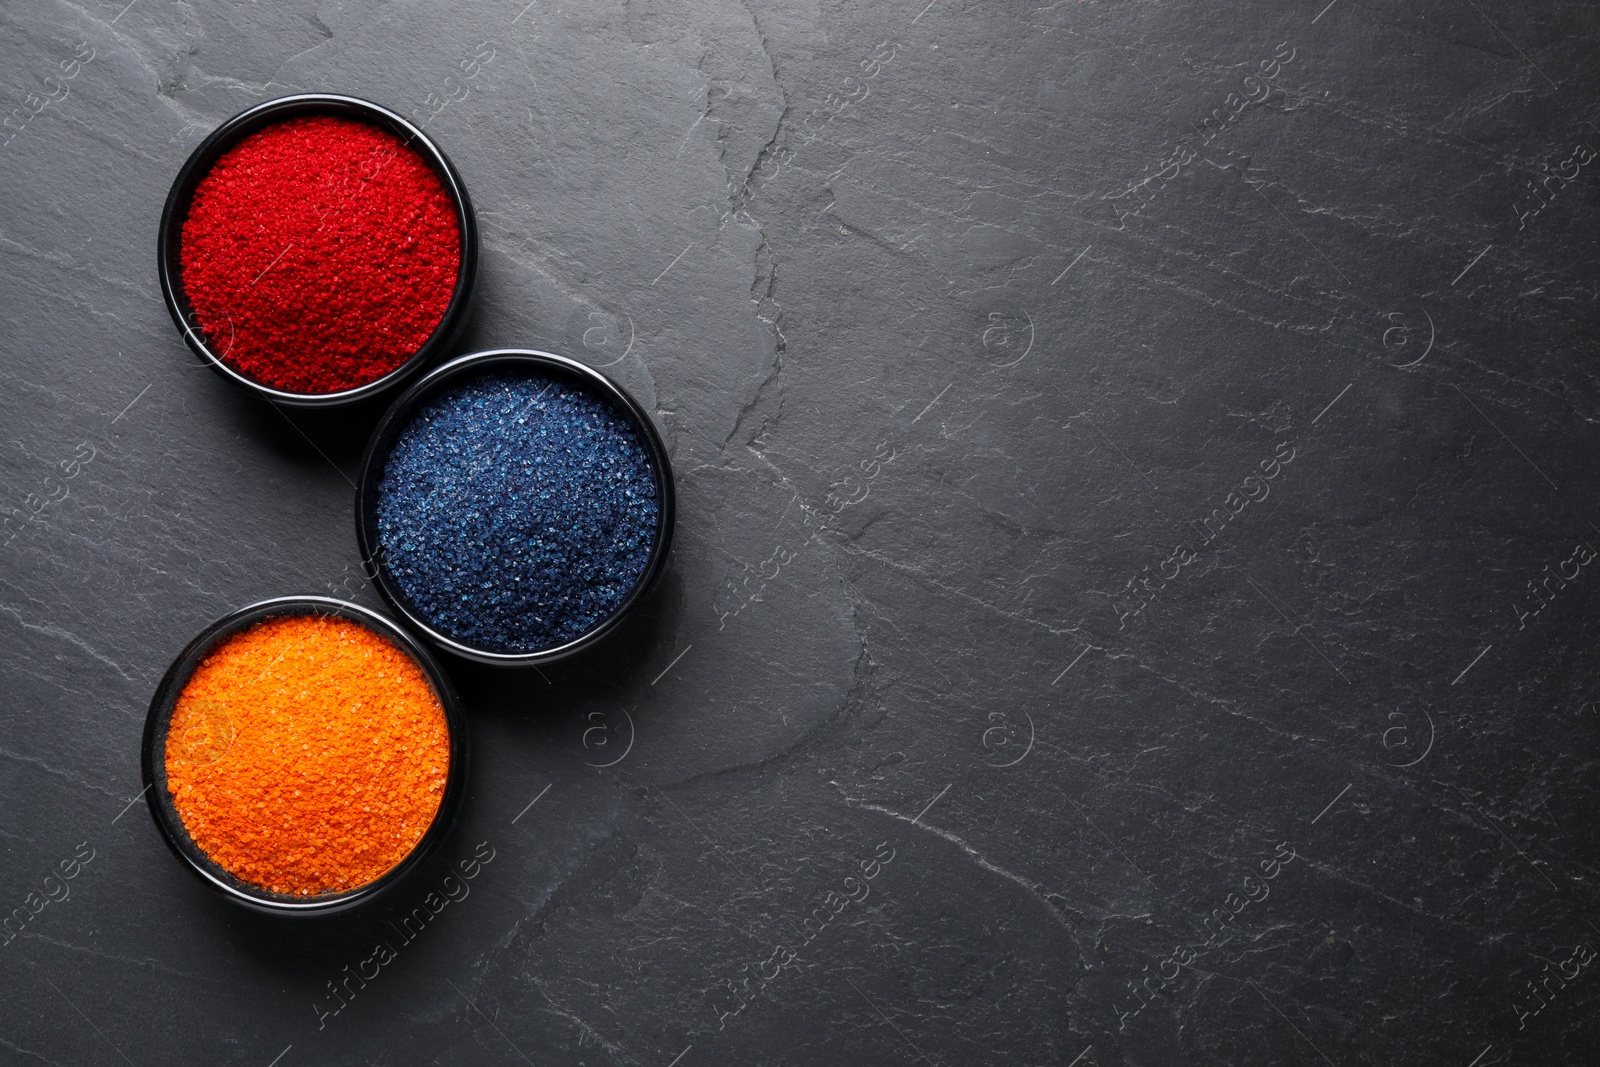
517 510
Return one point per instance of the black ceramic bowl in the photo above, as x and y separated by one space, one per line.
203 158
453 373
154 764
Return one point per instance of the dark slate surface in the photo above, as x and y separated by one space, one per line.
1124 451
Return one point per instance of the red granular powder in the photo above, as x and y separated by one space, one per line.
319 254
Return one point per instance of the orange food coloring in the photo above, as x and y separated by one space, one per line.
307 755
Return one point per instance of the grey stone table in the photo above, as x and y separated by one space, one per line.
1135 592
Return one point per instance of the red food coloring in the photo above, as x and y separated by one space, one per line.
319 254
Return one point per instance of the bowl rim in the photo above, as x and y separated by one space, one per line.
170 823
399 416
169 240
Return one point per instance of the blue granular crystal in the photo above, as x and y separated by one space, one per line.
517 510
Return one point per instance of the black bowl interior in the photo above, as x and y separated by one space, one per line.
454 373
230 133
155 747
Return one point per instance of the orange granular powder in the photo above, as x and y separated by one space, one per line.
307 755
